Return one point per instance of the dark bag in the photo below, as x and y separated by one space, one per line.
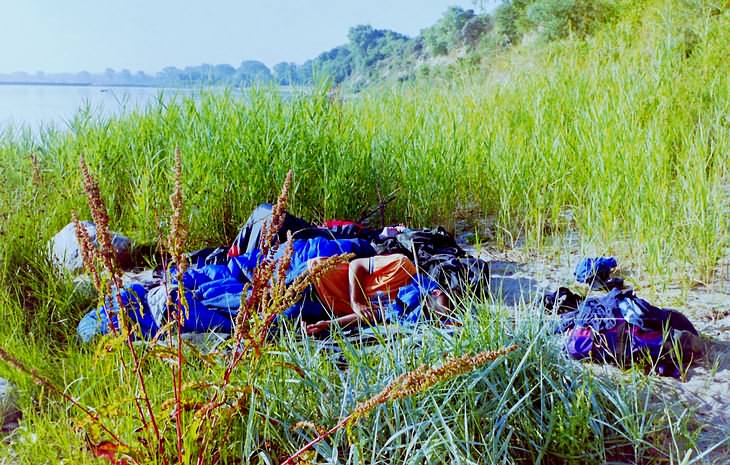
249 237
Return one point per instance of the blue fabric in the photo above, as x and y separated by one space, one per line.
599 313
579 343
621 327
92 324
309 308
408 305
641 313
603 312
566 322
215 312
195 277
223 294
242 267
213 293
589 269
322 247
134 299
213 285
200 318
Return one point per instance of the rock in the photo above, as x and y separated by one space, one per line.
9 413
66 252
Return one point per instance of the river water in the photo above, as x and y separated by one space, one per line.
38 106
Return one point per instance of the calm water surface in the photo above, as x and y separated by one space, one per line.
40 106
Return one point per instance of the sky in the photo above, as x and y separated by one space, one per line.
76 35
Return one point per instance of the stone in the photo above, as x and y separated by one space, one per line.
9 413
66 253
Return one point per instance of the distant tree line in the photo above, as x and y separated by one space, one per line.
374 54
377 54
248 73
370 49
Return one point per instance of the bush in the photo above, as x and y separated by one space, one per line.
509 20
553 19
447 32
475 29
557 18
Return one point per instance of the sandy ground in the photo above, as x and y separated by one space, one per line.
706 389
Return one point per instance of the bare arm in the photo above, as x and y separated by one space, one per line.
358 272
359 303
343 322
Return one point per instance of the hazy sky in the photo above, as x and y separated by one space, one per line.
75 35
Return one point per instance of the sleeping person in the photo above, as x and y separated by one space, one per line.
367 290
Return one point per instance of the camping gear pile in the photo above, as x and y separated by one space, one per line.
215 279
619 327
616 327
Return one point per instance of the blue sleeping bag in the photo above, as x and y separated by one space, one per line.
212 292
242 267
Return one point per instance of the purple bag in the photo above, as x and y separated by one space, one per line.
579 343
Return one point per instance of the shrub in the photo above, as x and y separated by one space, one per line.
557 18
509 20
447 32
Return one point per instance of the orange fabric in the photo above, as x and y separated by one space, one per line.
333 289
389 273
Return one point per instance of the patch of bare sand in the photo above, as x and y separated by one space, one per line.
706 388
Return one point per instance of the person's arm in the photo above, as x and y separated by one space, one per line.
342 322
359 270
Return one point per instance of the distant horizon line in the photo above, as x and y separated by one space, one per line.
41 72
148 86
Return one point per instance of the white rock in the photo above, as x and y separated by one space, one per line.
66 253
9 413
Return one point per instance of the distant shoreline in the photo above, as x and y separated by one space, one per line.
287 88
70 84
25 83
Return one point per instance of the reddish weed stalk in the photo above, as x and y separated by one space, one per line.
269 295
105 252
254 305
176 244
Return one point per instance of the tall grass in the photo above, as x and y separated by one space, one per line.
627 130
533 407
623 136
